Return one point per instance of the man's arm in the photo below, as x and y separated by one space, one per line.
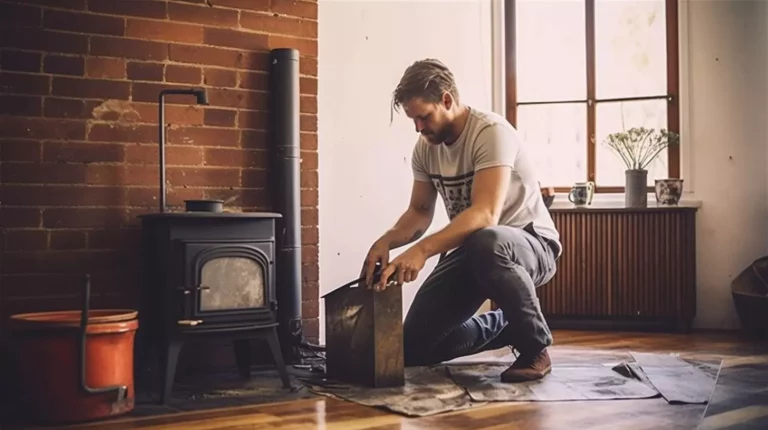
489 189
416 219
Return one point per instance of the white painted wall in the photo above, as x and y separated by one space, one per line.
728 114
365 162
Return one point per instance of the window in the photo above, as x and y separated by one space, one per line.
578 70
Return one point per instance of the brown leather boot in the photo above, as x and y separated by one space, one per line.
528 368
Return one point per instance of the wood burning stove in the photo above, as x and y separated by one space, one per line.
228 275
208 274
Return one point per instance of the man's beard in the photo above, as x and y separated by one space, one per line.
436 137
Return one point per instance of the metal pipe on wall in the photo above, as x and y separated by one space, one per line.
286 186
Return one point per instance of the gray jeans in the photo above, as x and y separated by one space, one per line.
501 263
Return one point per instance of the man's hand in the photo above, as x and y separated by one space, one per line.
404 268
379 253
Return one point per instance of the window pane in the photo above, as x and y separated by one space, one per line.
619 116
551 50
631 48
555 137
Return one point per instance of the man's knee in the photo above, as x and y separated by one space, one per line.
488 248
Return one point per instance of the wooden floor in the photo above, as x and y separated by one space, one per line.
653 414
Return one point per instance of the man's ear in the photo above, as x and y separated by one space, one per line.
447 100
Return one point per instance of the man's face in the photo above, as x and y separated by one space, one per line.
431 119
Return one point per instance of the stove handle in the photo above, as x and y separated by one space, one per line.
190 290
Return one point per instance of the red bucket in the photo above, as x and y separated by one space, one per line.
73 369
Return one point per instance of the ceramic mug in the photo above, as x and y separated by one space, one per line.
581 193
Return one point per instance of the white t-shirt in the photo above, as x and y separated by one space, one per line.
488 140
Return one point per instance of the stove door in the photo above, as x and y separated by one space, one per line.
229 282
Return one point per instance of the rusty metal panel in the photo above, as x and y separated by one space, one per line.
364 336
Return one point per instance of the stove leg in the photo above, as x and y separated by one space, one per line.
169 370
277 354
242 349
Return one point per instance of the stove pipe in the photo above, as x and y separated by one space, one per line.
285 166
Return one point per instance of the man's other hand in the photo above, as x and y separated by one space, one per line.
378 253
404 268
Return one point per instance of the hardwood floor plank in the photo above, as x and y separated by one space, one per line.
570 347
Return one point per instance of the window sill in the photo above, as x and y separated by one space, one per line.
616 201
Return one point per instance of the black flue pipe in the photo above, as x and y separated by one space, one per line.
284 141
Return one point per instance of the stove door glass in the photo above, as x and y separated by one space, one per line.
232 283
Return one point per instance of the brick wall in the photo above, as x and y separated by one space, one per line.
79 81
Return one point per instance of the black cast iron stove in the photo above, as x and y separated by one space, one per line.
212 273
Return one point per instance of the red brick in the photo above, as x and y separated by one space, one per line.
61 65
182 74
129 48
308 123
24 83
278 25
20 150
174 155
254 80
70 195
138 71
175 196
310 217
84 23
311 329
253 139
251 198
258 5
149 92
308 86
309 160
236 157
308 104
21 105
309 308
21 217
123 238
61 4
309 179
309 254
91 88
67 239
115 174
235 39
302 9
16 15
174 114
20 61
163 31
141 8
220 78
123 133
68 108
307 65
111 68
200 136
205 55
308 141
82 152
305 46
61 262
37 39
25 173
240 99
310 271
253 120
220 117
191 177
26 240
42 128
310 235
202 14
309 290
309 198
255 178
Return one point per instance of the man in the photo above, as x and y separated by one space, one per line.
503 239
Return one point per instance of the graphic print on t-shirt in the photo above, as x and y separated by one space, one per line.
456 192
